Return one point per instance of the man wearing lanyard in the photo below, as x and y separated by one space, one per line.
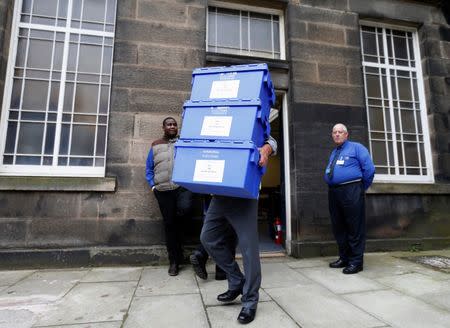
349 173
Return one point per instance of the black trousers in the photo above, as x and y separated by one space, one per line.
347 211
175 206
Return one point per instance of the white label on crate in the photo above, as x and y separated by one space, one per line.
209 170
216 126
224 89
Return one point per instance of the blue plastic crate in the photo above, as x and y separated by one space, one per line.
226 120
250 81
219 167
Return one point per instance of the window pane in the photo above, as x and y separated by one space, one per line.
30 138
68 98
104 97
101 137
83 140
58 56
50 139
86 98
412 158
379 153
376 119
21 51
40 54
404 89
16 92
400 47
35 95
107 56
11 137
260 35
110 11
94 10
369 44
373 86
64 142
54 97
408 125
228 31
89 58
26 6
45 7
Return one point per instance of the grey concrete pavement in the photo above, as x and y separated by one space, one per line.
392 291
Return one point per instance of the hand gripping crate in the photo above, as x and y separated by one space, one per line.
250 81
218 167
242 120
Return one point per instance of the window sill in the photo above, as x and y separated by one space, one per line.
15 183
409 188
227 59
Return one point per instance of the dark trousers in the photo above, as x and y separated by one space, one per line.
241 214
230 241
347 211
175 206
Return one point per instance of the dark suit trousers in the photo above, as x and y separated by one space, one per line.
347 211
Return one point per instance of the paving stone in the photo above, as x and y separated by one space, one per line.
41 287
20 318
280 275
268 315
424 287
113 274
156 281
308 263
166 311
91 302
400 310
340 283
11 277
115 324
313 306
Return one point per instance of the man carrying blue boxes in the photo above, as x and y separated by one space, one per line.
223 150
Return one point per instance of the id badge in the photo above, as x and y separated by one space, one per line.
340 162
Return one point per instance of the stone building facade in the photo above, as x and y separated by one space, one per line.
322 63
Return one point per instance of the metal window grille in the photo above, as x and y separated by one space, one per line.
395 103
57 93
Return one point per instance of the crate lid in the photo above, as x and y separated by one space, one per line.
229 69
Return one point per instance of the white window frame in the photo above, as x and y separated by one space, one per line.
261 10
397 177
55 169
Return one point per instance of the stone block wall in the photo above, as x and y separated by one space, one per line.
327 87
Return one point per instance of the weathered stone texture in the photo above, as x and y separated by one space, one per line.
326 34
332 73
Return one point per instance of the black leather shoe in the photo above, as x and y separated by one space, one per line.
173 269
352 268
246 315
199 265
338 264
229 295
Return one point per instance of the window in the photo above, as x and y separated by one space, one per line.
249 32
56 102
398 130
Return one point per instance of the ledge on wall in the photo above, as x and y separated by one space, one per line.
409 188
225 59
16 183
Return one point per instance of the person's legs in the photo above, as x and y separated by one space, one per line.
214 239
338 223
354 213
243 218
184 199
167 206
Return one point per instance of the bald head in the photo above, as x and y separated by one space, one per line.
339 134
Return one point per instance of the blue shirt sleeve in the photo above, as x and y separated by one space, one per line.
149 169
367 167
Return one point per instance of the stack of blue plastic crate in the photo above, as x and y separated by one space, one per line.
224 123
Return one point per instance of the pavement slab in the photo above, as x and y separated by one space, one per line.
167 311
313 306
90 303
421 286
17 318
156 281
113 274
114 324
40 287
8 278
307 263
268 315
399 310
340 283
281 275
